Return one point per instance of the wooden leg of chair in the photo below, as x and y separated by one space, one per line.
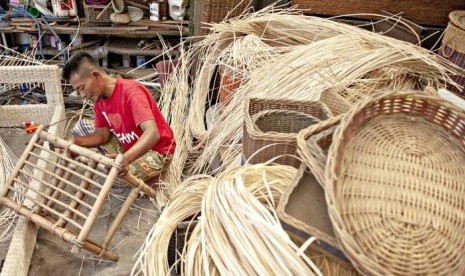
136 182
120 216
63 233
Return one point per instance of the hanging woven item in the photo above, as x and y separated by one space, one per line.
453 47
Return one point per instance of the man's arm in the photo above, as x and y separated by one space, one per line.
148 139
99 137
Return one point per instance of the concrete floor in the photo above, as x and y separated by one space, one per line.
53 256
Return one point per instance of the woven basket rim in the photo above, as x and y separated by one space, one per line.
284 137
261 114
354 252
458 18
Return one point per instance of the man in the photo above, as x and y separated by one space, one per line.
124 109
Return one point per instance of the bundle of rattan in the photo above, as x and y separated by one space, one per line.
285 56
355 68
7 216
394 185
185 203
238 231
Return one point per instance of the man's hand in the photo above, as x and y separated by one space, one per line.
125 167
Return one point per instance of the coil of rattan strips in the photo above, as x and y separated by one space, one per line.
68 200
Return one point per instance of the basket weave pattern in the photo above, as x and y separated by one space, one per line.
91 12
453 49
273 133
395 189
313 145
212 11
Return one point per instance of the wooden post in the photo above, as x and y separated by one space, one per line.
120 216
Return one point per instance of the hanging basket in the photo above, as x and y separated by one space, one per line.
395 185
453 48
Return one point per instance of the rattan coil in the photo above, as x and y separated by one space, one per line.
394 185
271 127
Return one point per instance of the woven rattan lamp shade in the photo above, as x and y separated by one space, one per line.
395 186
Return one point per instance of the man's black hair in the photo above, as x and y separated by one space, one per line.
75 62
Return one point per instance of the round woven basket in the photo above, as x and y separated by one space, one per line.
395 185
282 121
271 134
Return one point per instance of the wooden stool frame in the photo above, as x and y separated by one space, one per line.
62 201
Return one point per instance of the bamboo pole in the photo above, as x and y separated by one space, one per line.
64 233
79 196
98 205
85 152
137 183
120 216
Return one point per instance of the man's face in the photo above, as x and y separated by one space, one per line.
87 86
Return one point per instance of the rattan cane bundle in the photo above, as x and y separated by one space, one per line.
395 186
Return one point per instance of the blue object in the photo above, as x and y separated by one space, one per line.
39 31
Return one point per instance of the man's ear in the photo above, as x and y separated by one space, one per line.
96 73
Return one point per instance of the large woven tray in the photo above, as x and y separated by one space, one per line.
395 185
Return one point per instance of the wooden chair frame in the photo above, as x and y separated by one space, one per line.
61 202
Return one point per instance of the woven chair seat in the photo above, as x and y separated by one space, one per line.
395 185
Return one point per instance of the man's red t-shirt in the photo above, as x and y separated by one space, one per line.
130 105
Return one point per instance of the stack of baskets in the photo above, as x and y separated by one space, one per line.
392 171
271 127
453 47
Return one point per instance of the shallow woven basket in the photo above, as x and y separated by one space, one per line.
313 145
303 212
272 135
395 185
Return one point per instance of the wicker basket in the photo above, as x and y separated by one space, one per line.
313 145
303 211
453 48
213 11
274 135
91 13
395 185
